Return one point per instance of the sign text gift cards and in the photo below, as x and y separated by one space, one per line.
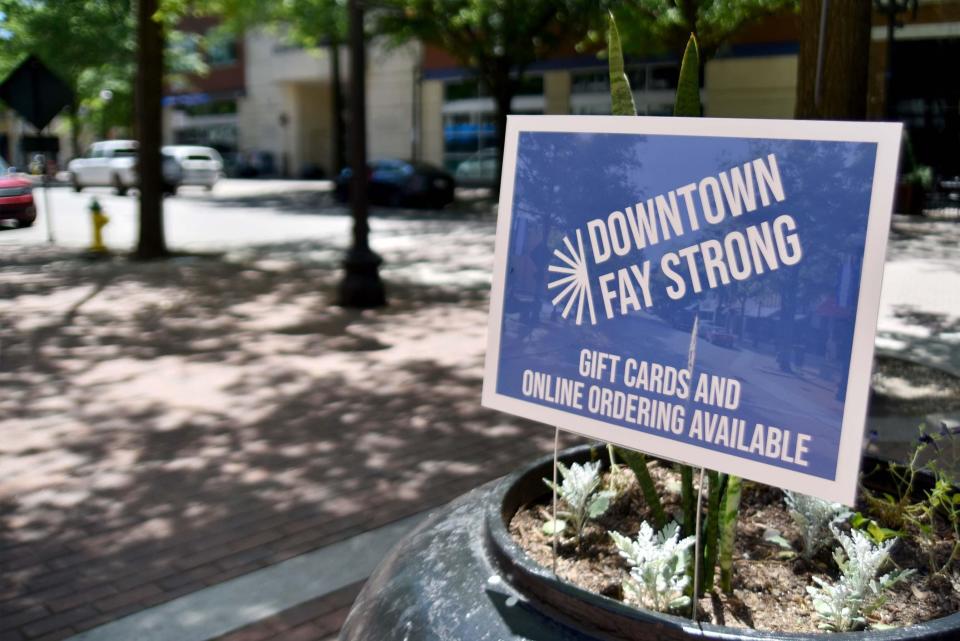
703 290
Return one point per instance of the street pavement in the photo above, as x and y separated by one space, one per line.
175 425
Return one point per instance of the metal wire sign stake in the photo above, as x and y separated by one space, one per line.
556 448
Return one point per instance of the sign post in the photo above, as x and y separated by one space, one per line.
628 248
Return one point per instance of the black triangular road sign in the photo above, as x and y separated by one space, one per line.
35 92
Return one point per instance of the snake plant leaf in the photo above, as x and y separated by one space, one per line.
638 463
688 86
620 93
728 531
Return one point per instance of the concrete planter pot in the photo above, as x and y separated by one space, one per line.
460 577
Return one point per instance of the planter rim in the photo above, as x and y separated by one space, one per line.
618 620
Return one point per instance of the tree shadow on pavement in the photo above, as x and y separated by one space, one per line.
471 204
170 425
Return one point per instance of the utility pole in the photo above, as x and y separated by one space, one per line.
361 286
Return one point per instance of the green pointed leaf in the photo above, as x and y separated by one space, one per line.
620 94
880 534
638 464
688 87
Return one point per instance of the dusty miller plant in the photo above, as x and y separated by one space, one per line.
581 494
814 517
846 603
658 564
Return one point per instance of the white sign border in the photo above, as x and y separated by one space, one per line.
887 136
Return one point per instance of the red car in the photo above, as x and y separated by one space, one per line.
16 200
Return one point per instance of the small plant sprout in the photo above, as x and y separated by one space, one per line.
658 564
814 517
846 604
618 481
580 492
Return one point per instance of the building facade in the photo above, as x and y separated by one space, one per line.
288 113
205 109
269 104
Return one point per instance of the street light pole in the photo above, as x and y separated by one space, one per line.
361 286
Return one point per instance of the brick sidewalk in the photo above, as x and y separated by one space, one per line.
169 426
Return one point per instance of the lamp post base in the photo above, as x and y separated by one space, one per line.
361 287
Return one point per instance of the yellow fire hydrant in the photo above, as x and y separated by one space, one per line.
99 219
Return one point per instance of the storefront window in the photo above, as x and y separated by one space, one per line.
469 125
653 86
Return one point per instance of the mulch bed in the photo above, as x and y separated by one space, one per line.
769 590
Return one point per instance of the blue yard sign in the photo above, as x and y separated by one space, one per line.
698 289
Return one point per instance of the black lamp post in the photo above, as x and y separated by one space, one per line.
361 286
892 9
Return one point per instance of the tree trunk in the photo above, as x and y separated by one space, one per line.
842 93
502 87
336 106
151 243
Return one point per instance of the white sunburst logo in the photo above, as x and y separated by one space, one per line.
574 279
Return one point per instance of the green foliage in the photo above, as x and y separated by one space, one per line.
655 26
923 517
484 34
876 532
88 43
91 45
309 23
844 605
657 567
581 494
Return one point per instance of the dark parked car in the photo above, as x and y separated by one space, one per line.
16 199
401 183
716 335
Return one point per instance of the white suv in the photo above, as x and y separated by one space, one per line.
113 163
201 166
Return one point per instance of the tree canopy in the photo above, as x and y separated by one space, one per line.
651 26
90 44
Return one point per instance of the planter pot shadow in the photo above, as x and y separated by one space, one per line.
460 577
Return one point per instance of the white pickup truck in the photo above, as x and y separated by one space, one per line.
113 163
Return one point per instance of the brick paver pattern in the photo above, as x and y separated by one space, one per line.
168 426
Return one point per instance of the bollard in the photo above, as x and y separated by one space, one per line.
99 219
